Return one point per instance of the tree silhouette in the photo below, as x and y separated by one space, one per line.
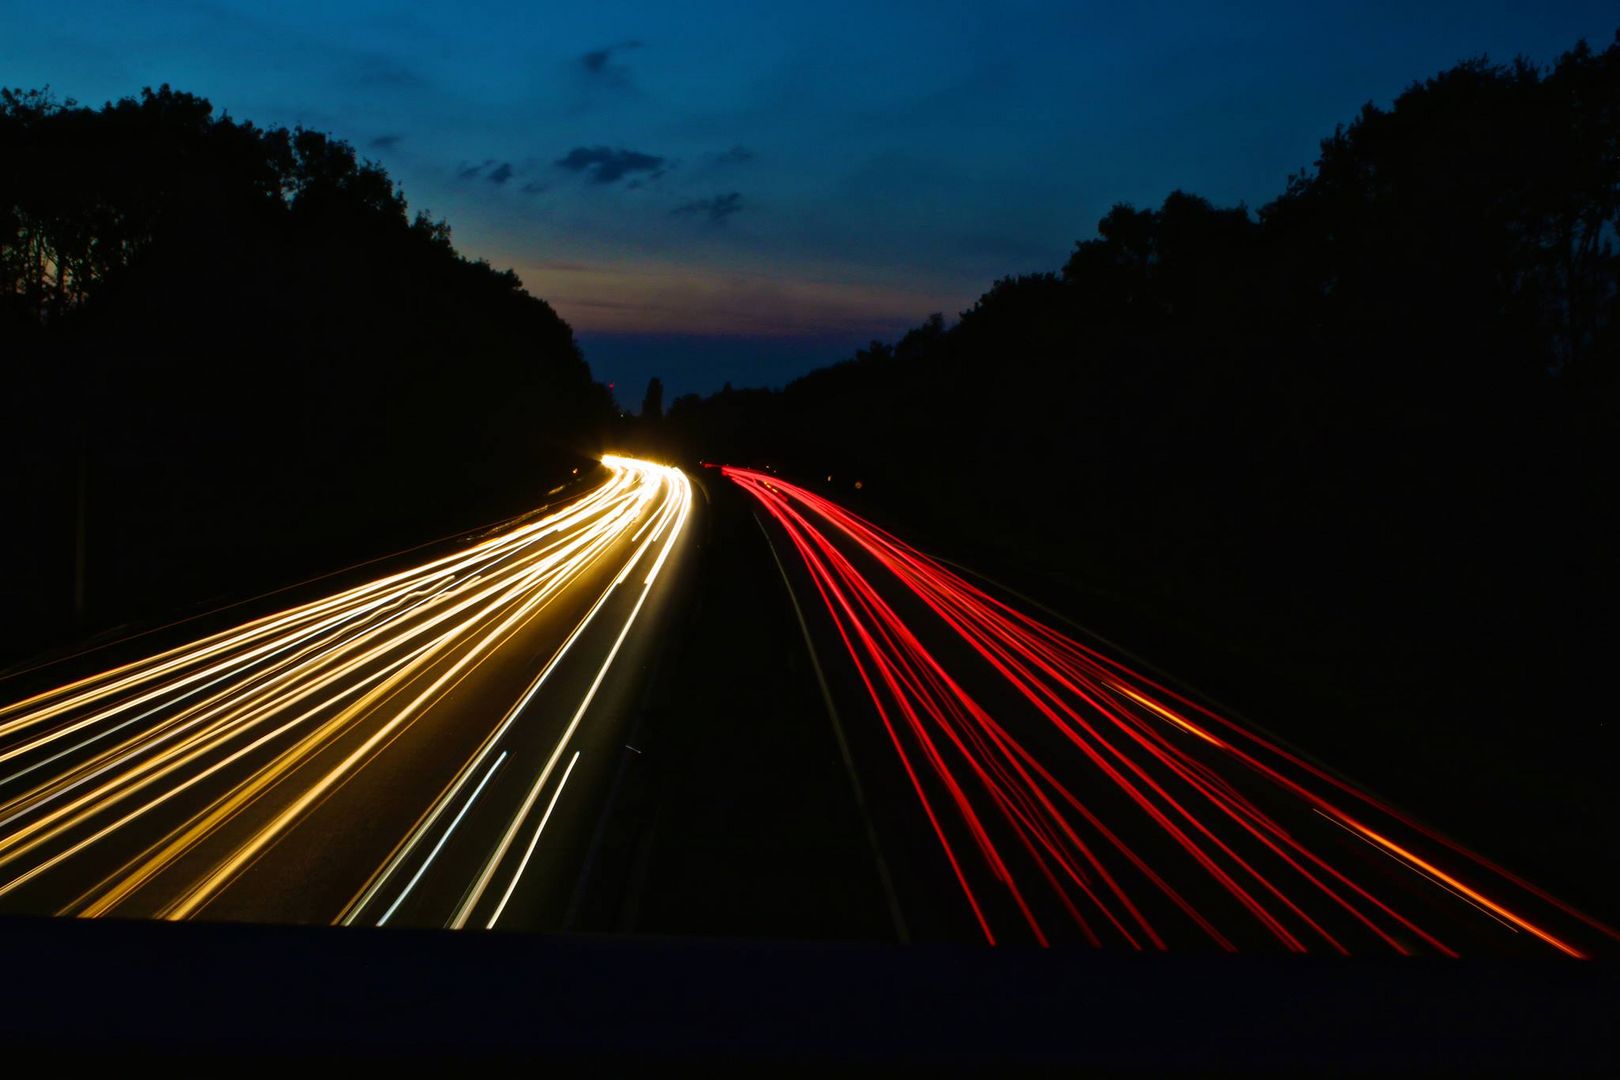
259 344
652 403
1378 416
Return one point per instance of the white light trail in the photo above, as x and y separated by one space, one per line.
258 725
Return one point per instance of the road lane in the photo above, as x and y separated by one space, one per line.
1069 797
387 753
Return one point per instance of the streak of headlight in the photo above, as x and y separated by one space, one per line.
204 890
683 489
193 712
471 769
360 598
679 508
403 668
400 899
523 864
137 672
169 793
222 874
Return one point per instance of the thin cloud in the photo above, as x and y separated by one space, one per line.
716 209
598 63
500 174
737 155
604 165
386 142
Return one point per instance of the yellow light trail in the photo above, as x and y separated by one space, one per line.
221 747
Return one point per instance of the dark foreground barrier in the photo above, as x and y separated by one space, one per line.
89 989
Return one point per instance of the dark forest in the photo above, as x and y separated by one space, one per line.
229 351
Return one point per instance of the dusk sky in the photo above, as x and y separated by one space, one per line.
741 192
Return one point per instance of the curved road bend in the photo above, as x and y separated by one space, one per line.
430 748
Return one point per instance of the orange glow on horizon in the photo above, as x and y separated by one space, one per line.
665 298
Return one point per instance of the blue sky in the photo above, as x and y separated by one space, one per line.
740 192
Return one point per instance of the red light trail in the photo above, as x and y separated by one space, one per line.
1076 798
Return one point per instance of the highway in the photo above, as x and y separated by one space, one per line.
442 747
1055 794
431 748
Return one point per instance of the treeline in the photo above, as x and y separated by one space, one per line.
231 356
1373 423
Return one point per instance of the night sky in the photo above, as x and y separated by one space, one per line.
741 192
